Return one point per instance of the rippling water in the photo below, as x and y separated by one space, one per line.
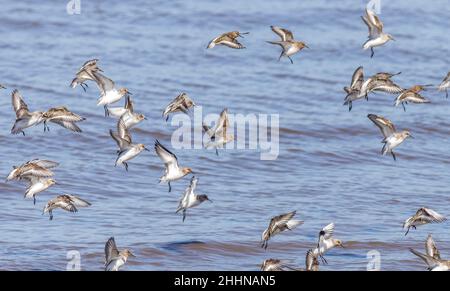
329 167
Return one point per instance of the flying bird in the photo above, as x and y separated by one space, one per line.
37 185
228 39
219 135
190 198
127 149
34 168
108 92
85 73
411 95
279 224
172 171
376 35
353 92
326 242
24 118
422 216
114 259
66 202
288 44
392 137
181 103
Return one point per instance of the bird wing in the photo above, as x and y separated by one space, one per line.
385 86
67 124
328 231
62 113
89 65
121 143
222 125
64 202
122 130
374 20
284 34
231 43
129 104
385 125
20 107
357 78
44 163
311 260
372 30
280 220
35 170
111 250
430 261
431 249
169 159
77 201
104 83
430 215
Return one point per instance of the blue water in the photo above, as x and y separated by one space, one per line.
329 167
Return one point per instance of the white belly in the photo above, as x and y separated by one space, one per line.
128 155
110 97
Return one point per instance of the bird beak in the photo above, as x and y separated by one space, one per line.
209 200
240 34
145 118
307 46
129 93
342 246
146 149
411 136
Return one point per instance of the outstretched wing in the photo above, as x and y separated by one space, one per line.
111 250
284 34
20 107
385 125
169 159
431 249
104 83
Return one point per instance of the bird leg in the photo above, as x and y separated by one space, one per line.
407 231
446 93
279 58
126 166
34 199
404 108
23 132
350 106
292 62
217 152
393 155
324 261
184 214
106 110
82 86
371 49
51 215
170 187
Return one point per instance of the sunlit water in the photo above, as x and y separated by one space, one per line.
329 167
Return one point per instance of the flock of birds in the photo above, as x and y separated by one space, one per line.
38 173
